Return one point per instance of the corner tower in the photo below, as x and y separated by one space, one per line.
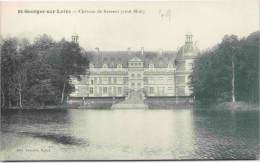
184 66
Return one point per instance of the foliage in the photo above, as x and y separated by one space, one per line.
35 73
211 79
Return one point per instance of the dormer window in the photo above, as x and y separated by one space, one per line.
104 66
151 65
119 66
112 65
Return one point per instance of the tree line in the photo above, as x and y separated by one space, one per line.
39 73
229 71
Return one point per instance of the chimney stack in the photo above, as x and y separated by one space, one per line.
100 57
160 52
97 50
129 51
142 51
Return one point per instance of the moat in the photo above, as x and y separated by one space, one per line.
83 134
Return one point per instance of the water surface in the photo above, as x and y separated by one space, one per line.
79 134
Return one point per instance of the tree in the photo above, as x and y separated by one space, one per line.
231 43
18 82
72 64
39 73
8 66
228 72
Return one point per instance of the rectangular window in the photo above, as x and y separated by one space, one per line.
92 81
170 88
109 80
180 79
100 91
190 66
105 80
105 90
115 81
114 90
100 80
170 78
145 80
95 80
91 91
151 90
110 91
181 66
125 80
151 80
180 91
119 90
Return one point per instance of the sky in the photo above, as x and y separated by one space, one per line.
156 25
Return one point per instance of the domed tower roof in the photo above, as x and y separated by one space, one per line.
189 49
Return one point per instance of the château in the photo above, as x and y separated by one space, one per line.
157 74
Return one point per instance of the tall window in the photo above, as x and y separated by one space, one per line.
180 79
110 90
109 80
115 80
145 80
119 90
114 90
100 90
92 81
190 66
105 90
125 80
151 90
91 91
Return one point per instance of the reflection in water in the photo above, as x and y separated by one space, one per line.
57 138
128 134
135 134
227 135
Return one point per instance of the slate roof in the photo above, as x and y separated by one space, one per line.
112 58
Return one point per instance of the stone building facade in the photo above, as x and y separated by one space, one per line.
157 74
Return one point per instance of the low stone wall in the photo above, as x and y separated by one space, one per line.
152 102
169 102
94 102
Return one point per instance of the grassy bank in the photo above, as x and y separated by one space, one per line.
227 106
237 106
42 107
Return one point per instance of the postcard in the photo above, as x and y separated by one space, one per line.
129 80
